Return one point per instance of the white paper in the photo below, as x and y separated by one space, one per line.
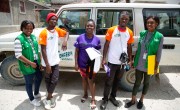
97 64
93 53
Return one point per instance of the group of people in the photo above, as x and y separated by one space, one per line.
118 39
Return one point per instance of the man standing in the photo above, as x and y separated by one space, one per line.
48 39
118 40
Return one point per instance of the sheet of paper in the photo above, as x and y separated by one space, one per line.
93 53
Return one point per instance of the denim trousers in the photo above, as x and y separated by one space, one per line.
112 81
31 79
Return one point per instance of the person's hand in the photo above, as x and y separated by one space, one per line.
76 67
64 45
41 67
155 71
48 69
33 64
103 62
130 64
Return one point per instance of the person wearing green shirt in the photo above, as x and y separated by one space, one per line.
27 53
150 43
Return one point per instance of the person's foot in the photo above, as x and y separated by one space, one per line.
47 104
129 104
114 101
37 96
53 103
103 104
93 104
140 105
83 99
35 102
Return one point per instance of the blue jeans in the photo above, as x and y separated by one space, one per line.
35 78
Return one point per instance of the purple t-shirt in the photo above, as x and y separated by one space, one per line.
82 43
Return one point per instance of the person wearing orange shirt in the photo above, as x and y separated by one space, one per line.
48 39
118 40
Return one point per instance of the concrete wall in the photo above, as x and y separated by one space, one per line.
29 14
5 18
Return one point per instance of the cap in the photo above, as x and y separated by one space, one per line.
50 15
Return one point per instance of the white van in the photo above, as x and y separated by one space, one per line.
73 17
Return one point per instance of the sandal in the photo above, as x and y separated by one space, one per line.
83 99
129 104
93 105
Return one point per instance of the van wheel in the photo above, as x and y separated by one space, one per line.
10 71
128 80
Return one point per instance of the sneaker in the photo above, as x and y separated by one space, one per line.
47 104
140 105
53 103
37 96
35 102
103 105
114 101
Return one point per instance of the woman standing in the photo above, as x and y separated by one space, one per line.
83 63
150 43
27 53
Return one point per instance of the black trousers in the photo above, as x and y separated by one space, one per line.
112 81
52 79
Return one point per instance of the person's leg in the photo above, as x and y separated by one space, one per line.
146 85
118 75
84 85
28 84
92 88
138 77
53 81
38 79
85 89
108 85
109 81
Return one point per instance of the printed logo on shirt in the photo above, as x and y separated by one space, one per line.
117 35
50 38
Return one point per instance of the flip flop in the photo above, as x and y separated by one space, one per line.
93 106
84 98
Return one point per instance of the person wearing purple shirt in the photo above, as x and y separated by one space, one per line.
82 60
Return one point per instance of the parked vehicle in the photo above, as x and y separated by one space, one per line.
73 18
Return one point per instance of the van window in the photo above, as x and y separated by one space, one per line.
74 21
109 18
169 20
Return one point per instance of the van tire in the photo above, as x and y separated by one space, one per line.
128 80
10 71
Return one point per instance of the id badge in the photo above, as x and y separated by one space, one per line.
144 56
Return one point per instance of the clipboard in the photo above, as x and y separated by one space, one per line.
151 65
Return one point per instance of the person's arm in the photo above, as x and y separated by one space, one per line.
64 44
76 59
129 48
18 54
105 50
158 55
44 55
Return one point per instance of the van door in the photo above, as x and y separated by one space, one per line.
72 20
170 27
